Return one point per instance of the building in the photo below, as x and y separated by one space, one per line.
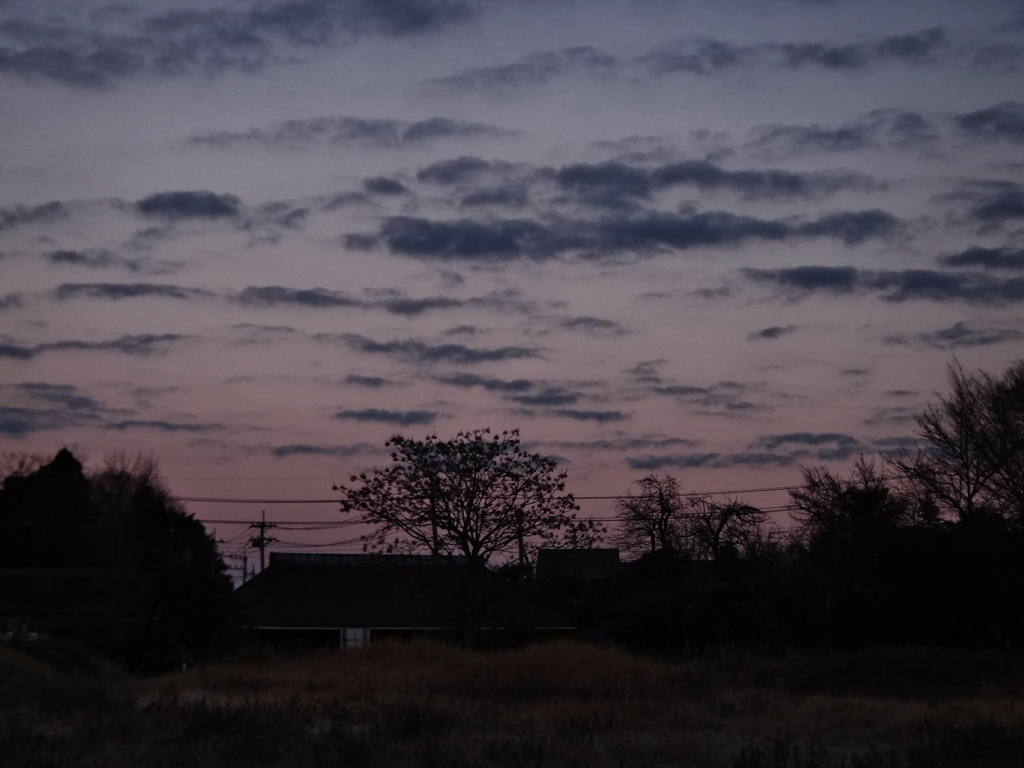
349 600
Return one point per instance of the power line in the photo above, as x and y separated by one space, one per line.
229 500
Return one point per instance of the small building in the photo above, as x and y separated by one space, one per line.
577 564
349 600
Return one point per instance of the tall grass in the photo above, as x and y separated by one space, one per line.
560 704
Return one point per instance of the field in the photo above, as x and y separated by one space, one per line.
560 704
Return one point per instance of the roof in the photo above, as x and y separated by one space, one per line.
383 593
583 564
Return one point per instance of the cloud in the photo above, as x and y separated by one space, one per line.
382 185
10 301
274 295
377 133
163 426
18 215
305 449
16 352
421 352
771 442
209 40
84 258
460 170
986 258
594 325
118 291
402 418
675 460
1002 122
880 128
62 394
467 380
601 417
189 205
698 56
373 382
466 239
535 69
549 396
962 335
992 203
772 332
502 240
892 285
140 345
612 183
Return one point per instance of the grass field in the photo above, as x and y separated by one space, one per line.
561 704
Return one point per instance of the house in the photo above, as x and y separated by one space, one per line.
349 600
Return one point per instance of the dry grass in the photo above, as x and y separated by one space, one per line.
560 704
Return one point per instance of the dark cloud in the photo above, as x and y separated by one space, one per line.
601 417
511 196
402 418
117 291
893 285
141 345
84 258
163 426
613 183
16 352
273 295
374 382
209 40
17 422
17 215
772 332
10 301
874 130
962 335
190 205
62 394
490 384
646 372
622 444
304 449
421 352
460 170
676 460
382 185
1002 122
700 56
594 325
991 203
771 442
352 131
853 227
501 240
986 258
535 69
549 396
466 239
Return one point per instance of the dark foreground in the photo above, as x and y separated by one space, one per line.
561 704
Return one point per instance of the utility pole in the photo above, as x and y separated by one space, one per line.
262 540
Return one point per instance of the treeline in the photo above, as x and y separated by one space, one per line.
55 516
924 547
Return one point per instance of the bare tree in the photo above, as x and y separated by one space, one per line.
973 459
475 496
651 519
712 529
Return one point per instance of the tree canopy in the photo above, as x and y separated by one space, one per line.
478 496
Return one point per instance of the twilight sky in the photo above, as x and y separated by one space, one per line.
714 239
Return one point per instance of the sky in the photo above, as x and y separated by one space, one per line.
717 239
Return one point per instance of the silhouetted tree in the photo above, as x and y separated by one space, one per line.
712 530
650 520
476 496
972 462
